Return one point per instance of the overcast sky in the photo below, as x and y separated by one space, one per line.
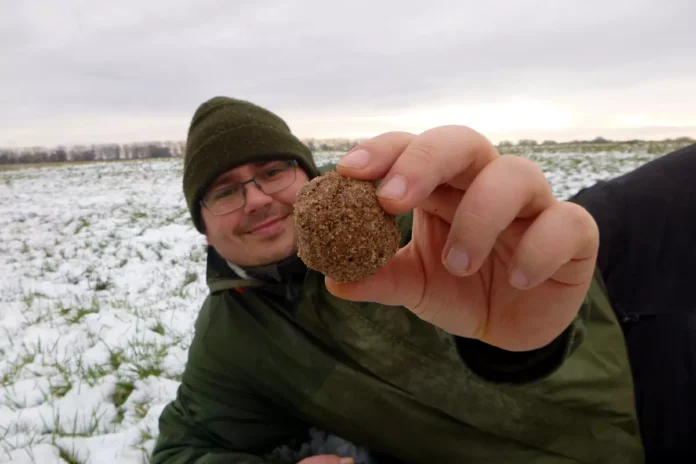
81 71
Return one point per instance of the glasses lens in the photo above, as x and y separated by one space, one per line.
224 201
271 179
276 177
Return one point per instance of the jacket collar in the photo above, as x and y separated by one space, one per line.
277 276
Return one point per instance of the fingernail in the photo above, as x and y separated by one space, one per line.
519 279
457 261
394 188
356 160
346 461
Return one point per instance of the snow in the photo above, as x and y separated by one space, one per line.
101 278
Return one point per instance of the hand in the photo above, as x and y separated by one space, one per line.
493 255
327 459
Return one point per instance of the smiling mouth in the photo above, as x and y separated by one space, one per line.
267 226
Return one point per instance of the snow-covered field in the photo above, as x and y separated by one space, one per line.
101 278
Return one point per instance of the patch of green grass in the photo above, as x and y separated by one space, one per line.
28 358
159 328
136 216
49 266
75 315
15 368
141 410
58 430
147 358
80 313
191 277
146 369
29 300
197 255
68 456
102 285
145 435
122 392
116 358
120 415
59 391
84 223
92 374
62 310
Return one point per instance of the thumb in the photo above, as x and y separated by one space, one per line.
327 459
399 283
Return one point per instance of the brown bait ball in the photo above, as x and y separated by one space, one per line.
342 231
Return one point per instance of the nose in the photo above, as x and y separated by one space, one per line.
255 199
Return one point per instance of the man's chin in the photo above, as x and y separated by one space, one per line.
274 247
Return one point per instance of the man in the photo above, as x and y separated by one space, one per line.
489 337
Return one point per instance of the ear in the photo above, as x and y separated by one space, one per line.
204 226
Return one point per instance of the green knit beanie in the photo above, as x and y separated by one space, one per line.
226 133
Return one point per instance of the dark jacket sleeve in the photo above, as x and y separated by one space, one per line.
217 416
647 221
647 225
496 365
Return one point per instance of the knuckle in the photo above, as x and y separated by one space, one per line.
580 220
424 158
457 129
521 166
471 225
537 254
423 153
388 142
463 132
385 146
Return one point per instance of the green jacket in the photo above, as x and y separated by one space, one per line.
267 362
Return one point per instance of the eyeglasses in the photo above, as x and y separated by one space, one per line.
230 197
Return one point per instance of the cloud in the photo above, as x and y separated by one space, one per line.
356 65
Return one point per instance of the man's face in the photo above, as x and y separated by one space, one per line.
263 230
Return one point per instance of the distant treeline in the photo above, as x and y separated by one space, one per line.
102 152
597 140
597 145
114 152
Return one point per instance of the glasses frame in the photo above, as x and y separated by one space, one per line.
242 185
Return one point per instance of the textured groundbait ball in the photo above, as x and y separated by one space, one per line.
342 230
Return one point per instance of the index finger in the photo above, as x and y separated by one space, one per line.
447 154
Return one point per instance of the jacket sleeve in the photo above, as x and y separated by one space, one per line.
496 365
647 225
217 416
